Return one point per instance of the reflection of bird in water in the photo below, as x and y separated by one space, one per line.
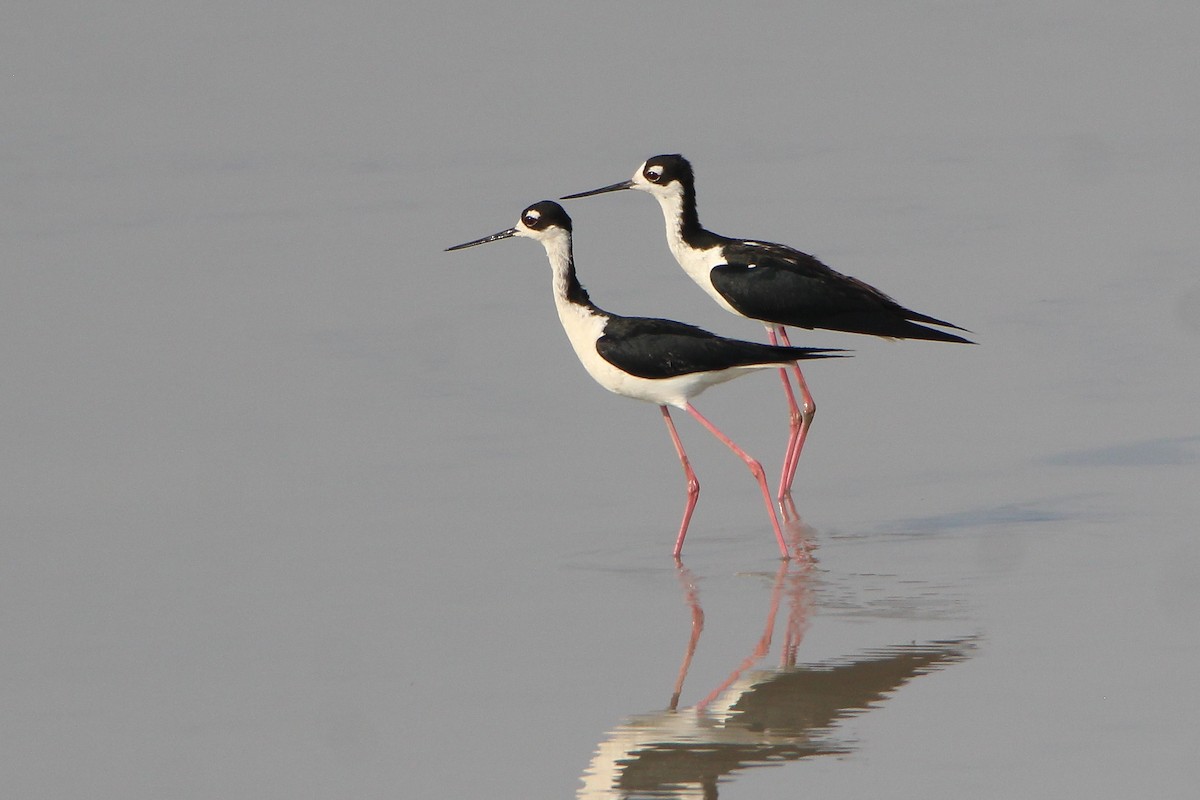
772 283
657 360
757 717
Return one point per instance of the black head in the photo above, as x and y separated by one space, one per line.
542 221
662 170
545 215
662 176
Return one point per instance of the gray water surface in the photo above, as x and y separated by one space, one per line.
298 505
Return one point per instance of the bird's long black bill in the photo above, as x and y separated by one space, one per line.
616 187
495 237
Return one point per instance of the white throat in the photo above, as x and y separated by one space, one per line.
558 251
583 324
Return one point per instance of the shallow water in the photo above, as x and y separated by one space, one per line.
299 505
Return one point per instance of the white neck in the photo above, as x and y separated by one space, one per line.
695 262
558 252
672 209
582 321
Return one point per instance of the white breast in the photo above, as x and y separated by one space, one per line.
584 327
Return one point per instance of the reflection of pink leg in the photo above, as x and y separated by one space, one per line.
797 533
764 642
693 601
797 621
693 485
807 412
755 469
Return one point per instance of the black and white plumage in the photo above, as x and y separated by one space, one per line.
772 283
657 360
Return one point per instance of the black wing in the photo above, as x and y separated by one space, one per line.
661 348
777 284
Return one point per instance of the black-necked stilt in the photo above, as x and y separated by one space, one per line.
656 360
772 283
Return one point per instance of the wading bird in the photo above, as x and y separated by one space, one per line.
774 284
657 360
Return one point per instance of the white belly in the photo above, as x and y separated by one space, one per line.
584 327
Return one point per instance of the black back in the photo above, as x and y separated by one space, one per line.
779 284
661 348
776 283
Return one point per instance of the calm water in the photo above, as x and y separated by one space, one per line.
297 505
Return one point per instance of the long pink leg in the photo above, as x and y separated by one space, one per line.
755 469
807 411
693 485
796 423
